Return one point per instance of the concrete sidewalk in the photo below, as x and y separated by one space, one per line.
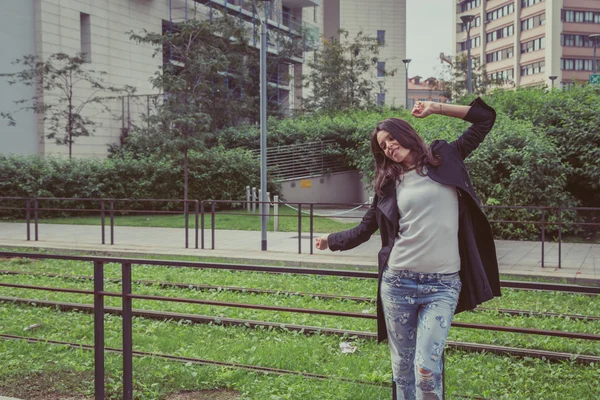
579 262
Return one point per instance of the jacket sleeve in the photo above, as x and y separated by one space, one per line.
482 118
351 238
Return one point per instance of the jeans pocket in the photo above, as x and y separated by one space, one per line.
454 284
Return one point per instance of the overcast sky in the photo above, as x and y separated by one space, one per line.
428 33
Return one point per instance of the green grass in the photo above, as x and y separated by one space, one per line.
229 219
486 375
513 299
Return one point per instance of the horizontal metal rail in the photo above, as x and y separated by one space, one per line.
193 360
202 287
202 319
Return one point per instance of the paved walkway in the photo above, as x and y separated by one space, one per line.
580 263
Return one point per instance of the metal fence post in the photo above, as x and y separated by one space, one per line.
28 218
196 209
559 236
299 228
98 330
212 224
102 219
35 217
543 233
275 213
186 217
202 224
112 222
127 333
311 227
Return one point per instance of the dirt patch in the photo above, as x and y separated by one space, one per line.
56 386
205 395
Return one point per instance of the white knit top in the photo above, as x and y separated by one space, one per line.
427 240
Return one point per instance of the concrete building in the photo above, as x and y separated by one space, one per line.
101 29
525 42
384 19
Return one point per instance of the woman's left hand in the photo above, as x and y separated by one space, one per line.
422 109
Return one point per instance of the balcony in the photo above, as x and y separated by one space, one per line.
301 3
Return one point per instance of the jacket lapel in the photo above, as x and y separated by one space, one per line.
388 204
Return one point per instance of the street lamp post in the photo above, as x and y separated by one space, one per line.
595 39
467 19
406 61
263 127
553 78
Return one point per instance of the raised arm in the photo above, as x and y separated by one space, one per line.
478 113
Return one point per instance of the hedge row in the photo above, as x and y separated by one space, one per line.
215 173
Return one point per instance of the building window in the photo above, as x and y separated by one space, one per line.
533 22
380 69
568 40
501 33
529 3
380 99
534 68
533 45
589 17
502 76
86 37
381 38
500 12
500 55
461 27
475 42
468 5
569 64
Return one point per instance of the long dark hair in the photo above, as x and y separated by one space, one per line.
388 170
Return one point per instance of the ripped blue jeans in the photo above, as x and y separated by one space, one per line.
418 309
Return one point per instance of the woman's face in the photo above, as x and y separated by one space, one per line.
392 149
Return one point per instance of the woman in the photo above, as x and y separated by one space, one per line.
435 241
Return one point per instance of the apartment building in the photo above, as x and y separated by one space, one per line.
101 29
526 42
384 19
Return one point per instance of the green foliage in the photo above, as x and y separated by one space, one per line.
64 89
342 74
572 119
215 174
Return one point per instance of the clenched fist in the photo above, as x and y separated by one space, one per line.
321 242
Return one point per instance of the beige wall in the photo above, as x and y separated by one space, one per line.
341 187
388 15
125 62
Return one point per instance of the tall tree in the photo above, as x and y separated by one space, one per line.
342 74
64 89
209 80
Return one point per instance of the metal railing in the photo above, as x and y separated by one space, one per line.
127 313
204 208
106 210
296 161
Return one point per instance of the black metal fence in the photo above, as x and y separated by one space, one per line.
127 313
199 210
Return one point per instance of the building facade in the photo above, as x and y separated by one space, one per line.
101 28
429 89
526 42
384 19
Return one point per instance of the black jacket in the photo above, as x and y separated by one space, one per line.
479 266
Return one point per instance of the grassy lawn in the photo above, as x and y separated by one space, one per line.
70 371
230 219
